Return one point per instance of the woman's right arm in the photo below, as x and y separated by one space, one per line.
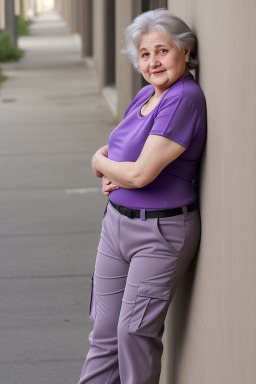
156 154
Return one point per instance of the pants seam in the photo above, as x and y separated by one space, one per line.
112 372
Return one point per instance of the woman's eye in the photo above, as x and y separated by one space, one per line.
163 50
146 54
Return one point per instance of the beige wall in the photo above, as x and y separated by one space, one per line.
128 82
29 7
98 40
211 333
2 14
66 10
17 7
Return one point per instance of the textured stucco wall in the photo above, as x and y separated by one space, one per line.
211 330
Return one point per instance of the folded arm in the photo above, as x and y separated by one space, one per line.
157 153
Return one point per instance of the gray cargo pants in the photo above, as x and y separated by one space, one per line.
139 266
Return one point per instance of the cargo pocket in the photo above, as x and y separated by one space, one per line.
150 309
92 313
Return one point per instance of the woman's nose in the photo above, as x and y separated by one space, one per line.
154 61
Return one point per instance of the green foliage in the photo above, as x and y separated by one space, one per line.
8 51
22 27
2 77
23 24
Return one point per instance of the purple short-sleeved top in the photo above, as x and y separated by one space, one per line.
180 116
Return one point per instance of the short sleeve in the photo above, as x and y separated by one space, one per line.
178 120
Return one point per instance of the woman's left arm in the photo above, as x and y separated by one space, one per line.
157 153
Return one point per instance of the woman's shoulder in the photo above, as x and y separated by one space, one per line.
144 92
185 87
185 90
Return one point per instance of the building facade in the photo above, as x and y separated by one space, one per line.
10 10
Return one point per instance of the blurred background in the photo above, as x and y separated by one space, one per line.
64 85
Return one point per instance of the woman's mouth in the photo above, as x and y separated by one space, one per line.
157 73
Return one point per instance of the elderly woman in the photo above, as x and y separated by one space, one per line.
151 226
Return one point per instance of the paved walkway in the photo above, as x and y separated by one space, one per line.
51 121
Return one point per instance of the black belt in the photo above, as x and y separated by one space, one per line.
137 213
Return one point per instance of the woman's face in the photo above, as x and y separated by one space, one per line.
161 62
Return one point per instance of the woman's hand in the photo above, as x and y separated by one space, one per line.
103 151
108 186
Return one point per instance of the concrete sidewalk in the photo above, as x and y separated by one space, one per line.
52 119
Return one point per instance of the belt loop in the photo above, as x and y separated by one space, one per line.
143 214
185 209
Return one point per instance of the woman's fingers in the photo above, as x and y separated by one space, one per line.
108 186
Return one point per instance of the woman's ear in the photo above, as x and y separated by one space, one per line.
187 53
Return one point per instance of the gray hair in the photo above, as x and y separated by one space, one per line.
165 22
